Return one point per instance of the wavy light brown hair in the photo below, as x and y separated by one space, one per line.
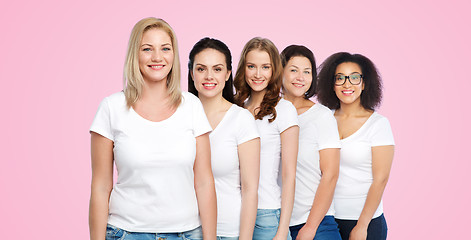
133 80
243 90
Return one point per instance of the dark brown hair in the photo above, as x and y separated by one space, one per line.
301 51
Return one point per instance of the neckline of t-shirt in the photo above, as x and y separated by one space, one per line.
159 122
360 129
224 118
312 108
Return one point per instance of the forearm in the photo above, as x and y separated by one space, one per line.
287 201
206 196
322 202
375 193
98 215
248 213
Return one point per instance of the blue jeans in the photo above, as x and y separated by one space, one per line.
327 230
114 233
227 238
377 229
266 224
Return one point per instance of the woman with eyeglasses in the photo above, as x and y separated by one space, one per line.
257 83
351 85
235 143
319 148
158 137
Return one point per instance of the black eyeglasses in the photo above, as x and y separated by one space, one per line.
354 79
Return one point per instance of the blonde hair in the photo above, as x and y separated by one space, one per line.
133 80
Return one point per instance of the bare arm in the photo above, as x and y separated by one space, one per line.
382 157
329 164
102 184
289 155
204 187
249 158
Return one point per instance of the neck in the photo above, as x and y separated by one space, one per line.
297 102
353 109
256 98
154 92
213 104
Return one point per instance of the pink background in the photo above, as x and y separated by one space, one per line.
59 59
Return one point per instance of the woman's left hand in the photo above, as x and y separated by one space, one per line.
358 233
306 233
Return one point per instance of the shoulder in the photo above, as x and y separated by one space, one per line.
189 97
284 105
115 100
378 119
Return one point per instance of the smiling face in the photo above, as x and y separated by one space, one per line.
297 76
348 93
155 55
258 70
210 73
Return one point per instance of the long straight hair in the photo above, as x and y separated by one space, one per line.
133 80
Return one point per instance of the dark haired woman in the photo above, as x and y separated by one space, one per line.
350 84
319 147
257 83
235 143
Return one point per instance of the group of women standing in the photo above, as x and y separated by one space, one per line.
251 164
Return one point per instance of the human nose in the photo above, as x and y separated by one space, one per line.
258 73
156 56
347 82
209 75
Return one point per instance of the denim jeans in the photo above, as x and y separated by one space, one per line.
377 229
114 233
266 224
327 230
227 238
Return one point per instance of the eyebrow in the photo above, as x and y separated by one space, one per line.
150 45
349 74
263 64
217 65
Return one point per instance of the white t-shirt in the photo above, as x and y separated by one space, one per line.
317 131
356 175
236 127
269 192
155 188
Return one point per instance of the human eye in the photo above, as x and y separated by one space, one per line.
250 66
166 49
199 69
147 49
355 76
307 72
339 77
266 67
294 70
218 69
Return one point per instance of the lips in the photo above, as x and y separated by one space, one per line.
298 85
156 67
347 92
258 82
209 86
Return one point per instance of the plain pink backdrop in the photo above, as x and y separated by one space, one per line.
59 59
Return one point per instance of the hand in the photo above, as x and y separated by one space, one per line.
358 233
306 233
279 236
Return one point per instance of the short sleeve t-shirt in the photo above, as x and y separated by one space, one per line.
269 192
356 173
155 187
317 131
236 127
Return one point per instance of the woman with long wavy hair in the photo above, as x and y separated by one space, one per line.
257 83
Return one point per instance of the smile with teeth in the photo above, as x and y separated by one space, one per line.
298 85
209 85
347 92
156 67
257 81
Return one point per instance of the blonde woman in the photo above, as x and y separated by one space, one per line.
158 139
257 83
